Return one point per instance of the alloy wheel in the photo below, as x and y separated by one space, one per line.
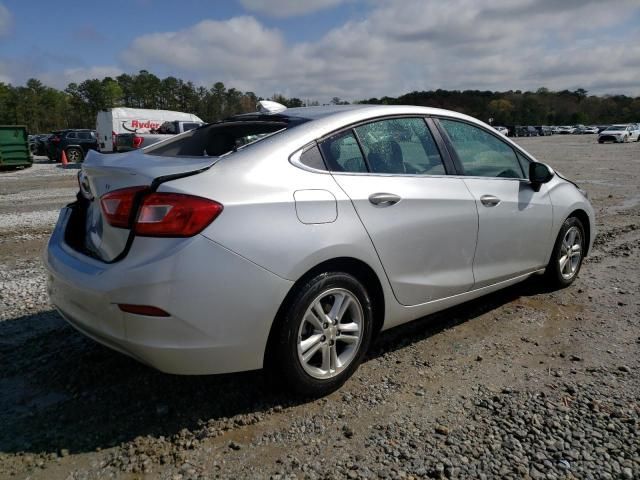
570 253
330 333
73 155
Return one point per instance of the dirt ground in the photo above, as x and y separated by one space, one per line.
524 383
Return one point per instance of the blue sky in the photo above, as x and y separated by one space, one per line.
318 49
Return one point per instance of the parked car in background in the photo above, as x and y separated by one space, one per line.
503 130
120 120
131 141
619 133
525 131
555 130
566 130
543 130
42 144
32 141
590 130
76 143
199 256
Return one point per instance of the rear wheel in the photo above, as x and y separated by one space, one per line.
323 336
567 255
74 155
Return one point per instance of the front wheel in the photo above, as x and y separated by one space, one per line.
567 255
323 336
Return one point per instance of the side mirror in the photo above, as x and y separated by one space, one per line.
539 173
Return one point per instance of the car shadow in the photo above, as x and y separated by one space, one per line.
61 390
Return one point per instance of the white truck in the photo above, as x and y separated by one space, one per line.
120 120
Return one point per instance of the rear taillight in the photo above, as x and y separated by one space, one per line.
117 205
137 141
175 215
114 139
161 214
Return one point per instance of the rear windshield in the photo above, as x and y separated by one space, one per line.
217 139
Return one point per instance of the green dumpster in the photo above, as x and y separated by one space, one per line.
14 146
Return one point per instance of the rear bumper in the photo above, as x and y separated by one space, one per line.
221 305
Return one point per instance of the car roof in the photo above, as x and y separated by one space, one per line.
335 112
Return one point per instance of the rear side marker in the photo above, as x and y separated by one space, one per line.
147 310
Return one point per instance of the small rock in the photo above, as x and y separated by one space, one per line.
575 358
347 431
624 368
627 473
234 445
442 430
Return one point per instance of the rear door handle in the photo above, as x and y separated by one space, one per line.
489 200
384 199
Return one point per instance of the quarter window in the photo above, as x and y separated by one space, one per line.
482 154
312 158
401 145
342 153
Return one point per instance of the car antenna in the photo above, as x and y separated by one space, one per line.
270 107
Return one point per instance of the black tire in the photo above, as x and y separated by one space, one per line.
555 276
283 363
74 155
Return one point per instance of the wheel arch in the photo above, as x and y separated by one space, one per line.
586 224
359 269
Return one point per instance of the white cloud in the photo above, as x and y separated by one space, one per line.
411 45
78 75
6 21
239 50
287 8
394 48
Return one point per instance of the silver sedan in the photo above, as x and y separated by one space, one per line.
288 238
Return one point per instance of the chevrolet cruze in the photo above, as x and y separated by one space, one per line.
288 238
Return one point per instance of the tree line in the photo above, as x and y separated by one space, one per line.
43 109
542 107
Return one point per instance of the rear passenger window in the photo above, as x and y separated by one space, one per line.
342 153
400 145
72 135
481 153
84 135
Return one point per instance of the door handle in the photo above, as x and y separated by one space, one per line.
384 199
489 200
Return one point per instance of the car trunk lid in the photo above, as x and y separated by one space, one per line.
105 173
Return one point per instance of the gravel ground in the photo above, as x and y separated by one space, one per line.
524 383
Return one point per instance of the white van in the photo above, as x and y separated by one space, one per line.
114 121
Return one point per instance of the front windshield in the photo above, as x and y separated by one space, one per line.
617 127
